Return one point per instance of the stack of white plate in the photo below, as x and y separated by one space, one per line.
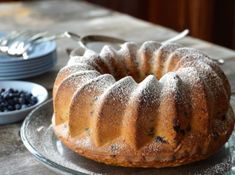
40 60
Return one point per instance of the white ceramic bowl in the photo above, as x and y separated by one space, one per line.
37 90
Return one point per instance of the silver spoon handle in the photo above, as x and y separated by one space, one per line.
177 37
78 38
65 34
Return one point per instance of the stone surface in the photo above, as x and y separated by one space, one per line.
77 16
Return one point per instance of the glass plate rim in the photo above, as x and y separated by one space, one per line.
43 159
33 150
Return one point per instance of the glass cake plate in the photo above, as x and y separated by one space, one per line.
39 139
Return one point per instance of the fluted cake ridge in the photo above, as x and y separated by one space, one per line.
149 106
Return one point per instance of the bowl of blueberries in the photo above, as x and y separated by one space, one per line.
18 98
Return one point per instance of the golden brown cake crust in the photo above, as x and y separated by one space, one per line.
149 106
184 149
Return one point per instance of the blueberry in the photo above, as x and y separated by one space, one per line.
5 104
10 90
2 90
28 96
11 102
2 104
1 99
11 99
22 94
5 95
17 106
22 100
16 100
34 100
10 108
11 95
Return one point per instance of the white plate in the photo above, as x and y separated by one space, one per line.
26 71
37 90
24 68
30 62
16 77
8 75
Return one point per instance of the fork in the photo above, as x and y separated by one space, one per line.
4 41
18 43
21 46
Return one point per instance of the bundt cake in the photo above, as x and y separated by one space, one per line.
149 106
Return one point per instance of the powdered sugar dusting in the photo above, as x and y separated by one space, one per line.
121 89
108 54
166 50
89 53
191 68
76 80
149 90
149 46
69 69
209 75
184 51
170 82
128 51
128 48
145 56
100 83
188 75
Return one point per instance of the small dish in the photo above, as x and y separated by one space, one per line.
37 90
38 137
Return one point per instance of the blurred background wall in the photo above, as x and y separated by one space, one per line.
211 20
